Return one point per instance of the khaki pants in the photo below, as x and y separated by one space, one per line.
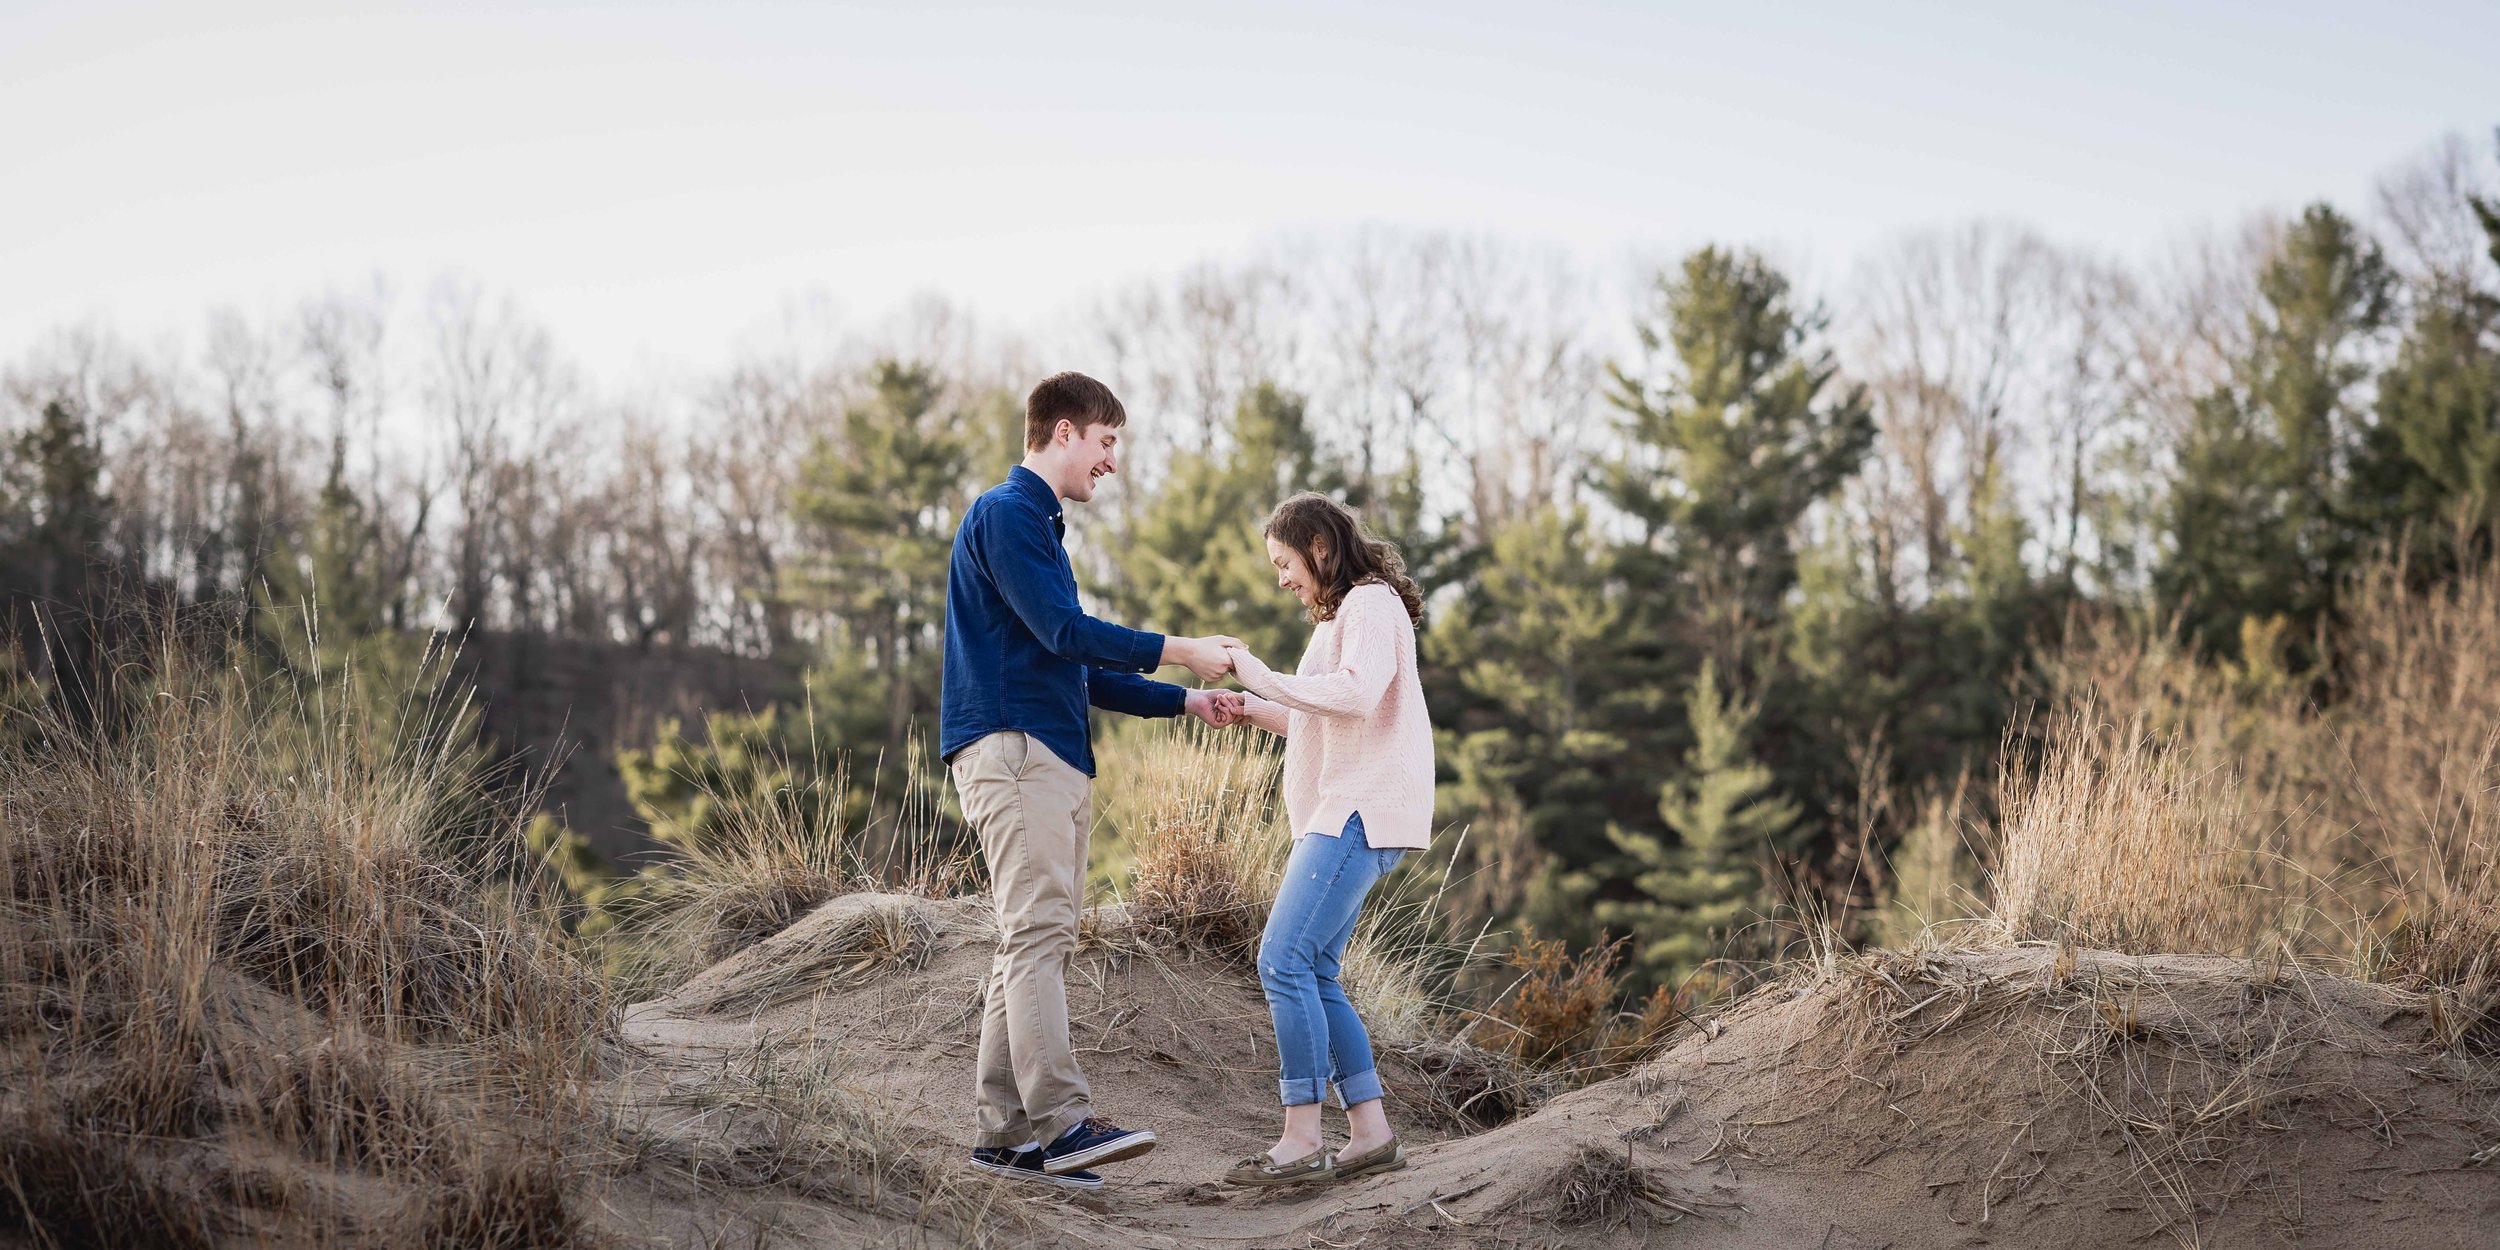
1032 811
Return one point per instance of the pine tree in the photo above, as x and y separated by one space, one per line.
1883 696
1530 696
1193 561
2259 518
1735 427
54 548
1732 437
52 518
60 473
2430 467
760 766
324 606
1694 892
878 503
322 622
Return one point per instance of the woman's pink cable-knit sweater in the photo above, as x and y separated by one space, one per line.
1356 737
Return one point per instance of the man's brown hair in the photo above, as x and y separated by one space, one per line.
1071 397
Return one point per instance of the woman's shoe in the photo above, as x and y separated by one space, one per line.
1259 1170
1383 1158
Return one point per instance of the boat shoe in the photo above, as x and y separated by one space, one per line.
1259 1170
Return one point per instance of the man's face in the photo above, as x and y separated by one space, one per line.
1091 456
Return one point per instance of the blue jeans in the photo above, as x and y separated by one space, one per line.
1318 1036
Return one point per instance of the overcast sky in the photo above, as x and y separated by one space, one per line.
655 180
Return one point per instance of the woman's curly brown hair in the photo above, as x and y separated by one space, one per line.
1340 552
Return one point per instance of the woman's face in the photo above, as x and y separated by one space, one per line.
1293 573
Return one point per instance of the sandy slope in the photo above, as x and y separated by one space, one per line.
2019 1097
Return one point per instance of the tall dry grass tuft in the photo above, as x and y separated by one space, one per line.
2189 806
2411 755
1401 968
235 971
863 937
2120 840
766 860
1196 809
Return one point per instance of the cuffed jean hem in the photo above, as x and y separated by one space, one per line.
1361 1087
1295 1093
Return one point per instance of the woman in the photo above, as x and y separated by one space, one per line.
1358 785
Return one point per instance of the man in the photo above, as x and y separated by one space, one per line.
1023 664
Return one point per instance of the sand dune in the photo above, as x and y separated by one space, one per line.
2025 1096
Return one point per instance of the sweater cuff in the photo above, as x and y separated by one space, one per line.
1249 670
1267 713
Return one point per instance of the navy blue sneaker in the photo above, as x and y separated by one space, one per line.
1026 1165
1094 1140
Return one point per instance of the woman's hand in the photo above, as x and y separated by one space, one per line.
1220 708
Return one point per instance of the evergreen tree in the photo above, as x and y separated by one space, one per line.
878 502
764 765
1434 547
1529 692
1734 428
2260 522
53 558
1731 436
1694 891
1924 688
60 474
325 609
2431 465
1193 561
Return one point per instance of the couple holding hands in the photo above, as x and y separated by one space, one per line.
1024 665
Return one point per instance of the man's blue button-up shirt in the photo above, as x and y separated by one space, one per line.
1021 653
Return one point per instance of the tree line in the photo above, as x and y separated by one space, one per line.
1730 584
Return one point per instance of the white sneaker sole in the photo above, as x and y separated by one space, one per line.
1125 1146
1045 1178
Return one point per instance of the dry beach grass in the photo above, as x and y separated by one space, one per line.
244 1000
2231 983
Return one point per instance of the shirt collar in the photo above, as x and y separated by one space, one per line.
1035 488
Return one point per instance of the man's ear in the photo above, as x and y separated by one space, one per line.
1063 433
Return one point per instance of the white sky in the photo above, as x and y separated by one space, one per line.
654 181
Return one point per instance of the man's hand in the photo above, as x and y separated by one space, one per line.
1203 656
1220 708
